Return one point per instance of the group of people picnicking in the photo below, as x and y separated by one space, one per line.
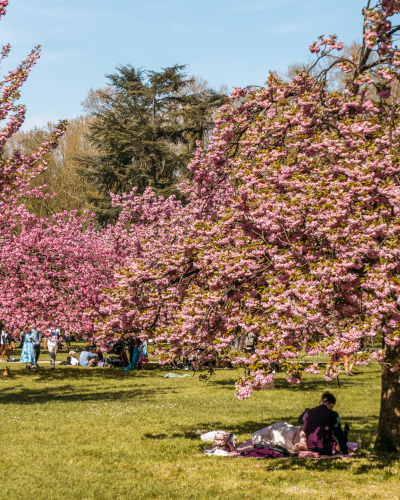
319 434
90 355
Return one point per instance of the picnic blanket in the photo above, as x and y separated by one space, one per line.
248 446
175 375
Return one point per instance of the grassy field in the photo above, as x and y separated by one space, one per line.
76 433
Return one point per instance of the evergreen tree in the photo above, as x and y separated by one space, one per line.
145 130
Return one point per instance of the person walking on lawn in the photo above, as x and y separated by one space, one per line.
28 353
36 344
11 342
67 336
21 340
52 345
348 365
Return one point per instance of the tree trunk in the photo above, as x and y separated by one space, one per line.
388 437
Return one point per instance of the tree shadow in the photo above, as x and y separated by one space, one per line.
359 464
15 395
149 435
192 435
79 373
222 383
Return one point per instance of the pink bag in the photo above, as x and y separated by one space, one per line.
223 440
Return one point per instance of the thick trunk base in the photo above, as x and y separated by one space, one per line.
388 437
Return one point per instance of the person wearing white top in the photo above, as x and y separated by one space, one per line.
72 359
281 434
52 345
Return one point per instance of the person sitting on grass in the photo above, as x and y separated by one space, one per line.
87 358
124 358
71 359
321 424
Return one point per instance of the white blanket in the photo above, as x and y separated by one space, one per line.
280 433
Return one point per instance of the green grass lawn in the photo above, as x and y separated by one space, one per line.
76 433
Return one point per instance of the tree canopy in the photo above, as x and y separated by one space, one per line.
145 127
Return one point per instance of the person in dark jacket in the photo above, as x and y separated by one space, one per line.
37 339
321 424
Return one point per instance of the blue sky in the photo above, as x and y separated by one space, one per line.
225 41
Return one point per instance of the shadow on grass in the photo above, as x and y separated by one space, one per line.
77 373
186 434
149 435
68 394
14 393
358 464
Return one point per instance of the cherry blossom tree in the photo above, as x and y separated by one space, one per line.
292 230
52 269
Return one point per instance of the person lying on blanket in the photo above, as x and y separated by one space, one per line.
322 426
288 436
